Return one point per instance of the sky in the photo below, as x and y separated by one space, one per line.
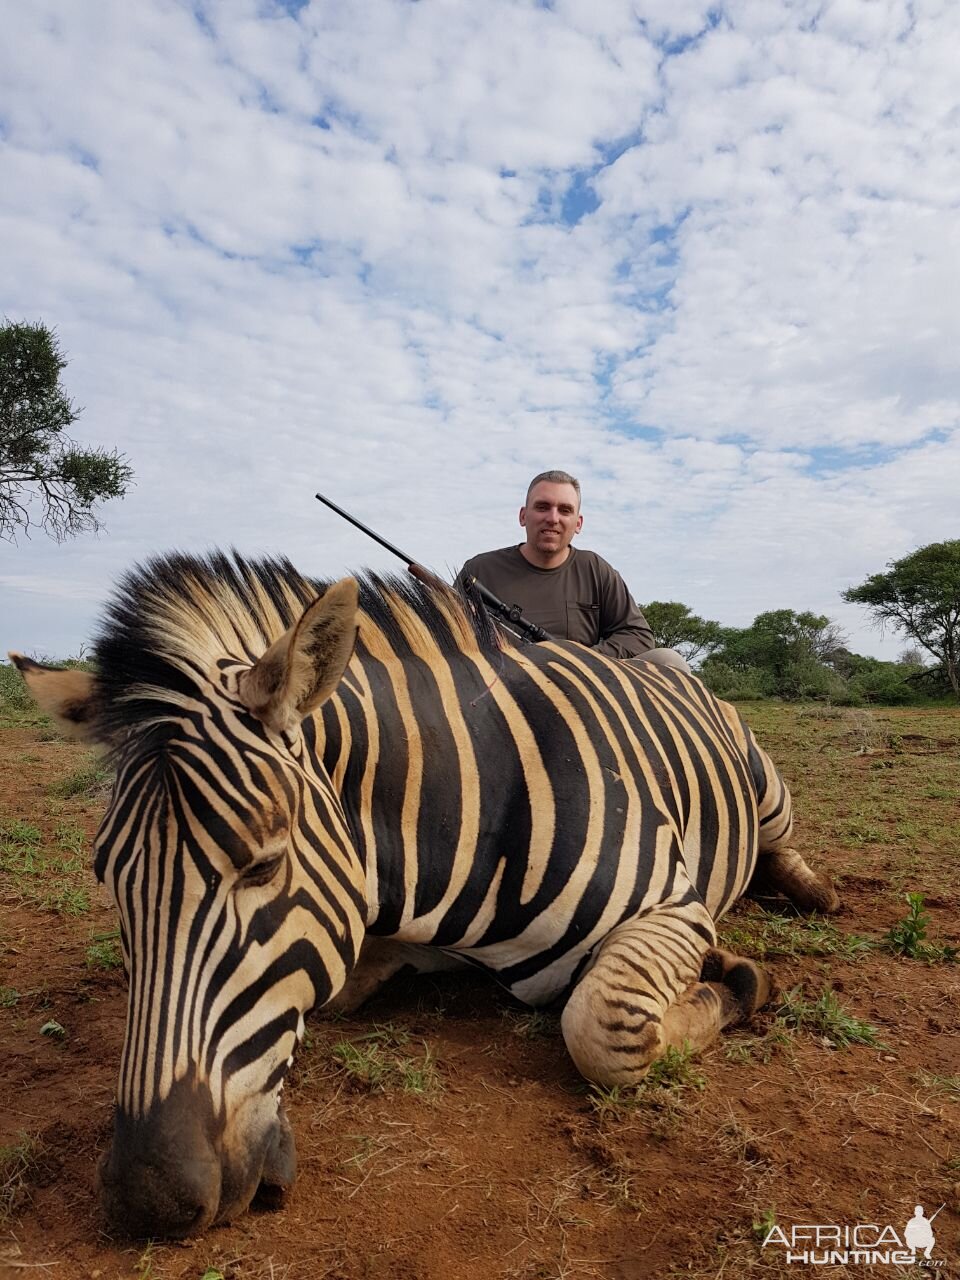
408 253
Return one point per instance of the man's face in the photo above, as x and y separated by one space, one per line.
551 517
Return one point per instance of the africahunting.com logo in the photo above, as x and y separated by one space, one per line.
866 1243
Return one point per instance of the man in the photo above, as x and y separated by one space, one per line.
573 594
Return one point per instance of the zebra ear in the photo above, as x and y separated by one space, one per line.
68 696
301 669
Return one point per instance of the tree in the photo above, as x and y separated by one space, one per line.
920 596
38 461
675 627
782 652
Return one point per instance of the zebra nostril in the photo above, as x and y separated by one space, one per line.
199 1220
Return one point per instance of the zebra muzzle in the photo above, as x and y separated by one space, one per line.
162 1175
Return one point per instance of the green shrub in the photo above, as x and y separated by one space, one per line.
743 685
13 690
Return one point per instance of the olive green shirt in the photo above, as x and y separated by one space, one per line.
584 599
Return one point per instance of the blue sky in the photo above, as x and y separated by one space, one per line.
706 257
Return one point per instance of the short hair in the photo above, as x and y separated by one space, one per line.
553 477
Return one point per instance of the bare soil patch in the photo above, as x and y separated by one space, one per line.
443 1133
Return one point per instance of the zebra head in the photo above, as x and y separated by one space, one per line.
226 849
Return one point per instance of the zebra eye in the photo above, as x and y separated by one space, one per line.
261 873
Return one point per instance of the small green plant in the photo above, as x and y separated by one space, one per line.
612 1100
661 1088
103 952
745 1048
85 781
66 900
530 1024
20 833
69 837
17 1161
8 997
48 881
144 1264
827 1018
908 937
374 1062
418 1075
767 933
54 1030
763 1224
943 1084
675 1070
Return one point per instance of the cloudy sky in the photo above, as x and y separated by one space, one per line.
707 257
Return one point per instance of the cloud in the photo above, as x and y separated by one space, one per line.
410 254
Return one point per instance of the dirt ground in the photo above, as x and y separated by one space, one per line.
444 1134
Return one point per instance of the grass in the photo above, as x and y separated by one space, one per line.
950 1085
103 951
18 1159
742 1049
531 1024
768 933
88 781
908 937
144 1264
662 1088
763 1224
379 1062
42 878
826 1018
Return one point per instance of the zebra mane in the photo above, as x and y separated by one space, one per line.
174 617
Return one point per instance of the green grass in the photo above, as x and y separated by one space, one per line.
379 1062
531 1024
34 876
742 1048
662 1088
8 997
103 951
19 835
767 933
87 780
949 1085
826 1018
763 1224
18 1160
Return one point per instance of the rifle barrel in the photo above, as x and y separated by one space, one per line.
408 560
510 614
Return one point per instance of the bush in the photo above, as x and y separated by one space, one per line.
13 690
745 685
890 684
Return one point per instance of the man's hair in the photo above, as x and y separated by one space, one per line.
553 477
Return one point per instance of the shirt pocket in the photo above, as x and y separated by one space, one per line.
583 622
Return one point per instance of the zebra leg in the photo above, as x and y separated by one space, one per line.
780 869
380 959
656 983
784 871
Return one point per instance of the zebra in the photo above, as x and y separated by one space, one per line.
317 784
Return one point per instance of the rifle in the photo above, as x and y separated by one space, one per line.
510 614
